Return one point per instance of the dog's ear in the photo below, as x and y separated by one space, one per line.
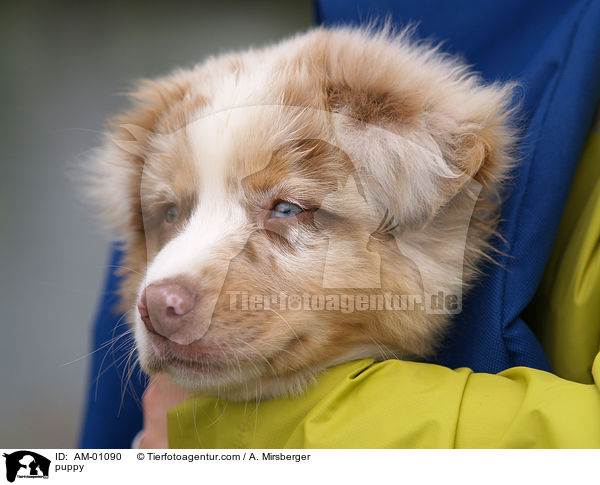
112 177
416 123
135 145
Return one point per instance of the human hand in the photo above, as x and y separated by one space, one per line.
161 395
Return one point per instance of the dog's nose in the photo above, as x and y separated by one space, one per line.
166 308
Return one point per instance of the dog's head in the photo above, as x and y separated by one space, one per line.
283 209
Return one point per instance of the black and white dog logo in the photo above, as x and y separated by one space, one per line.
26 464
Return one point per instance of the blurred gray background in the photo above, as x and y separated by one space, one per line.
62 65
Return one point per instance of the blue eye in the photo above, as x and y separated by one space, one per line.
285 209
171 214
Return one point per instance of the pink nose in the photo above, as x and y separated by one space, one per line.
166 308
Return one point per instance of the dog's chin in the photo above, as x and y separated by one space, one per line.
204 373
210 375
201 372
228 381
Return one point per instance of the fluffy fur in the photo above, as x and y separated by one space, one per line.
371 133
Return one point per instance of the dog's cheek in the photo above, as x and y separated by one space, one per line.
249 306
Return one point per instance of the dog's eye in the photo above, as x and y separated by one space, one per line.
285 209
171 214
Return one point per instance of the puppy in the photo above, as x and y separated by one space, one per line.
286 209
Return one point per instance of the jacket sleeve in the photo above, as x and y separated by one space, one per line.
416 405
527 408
